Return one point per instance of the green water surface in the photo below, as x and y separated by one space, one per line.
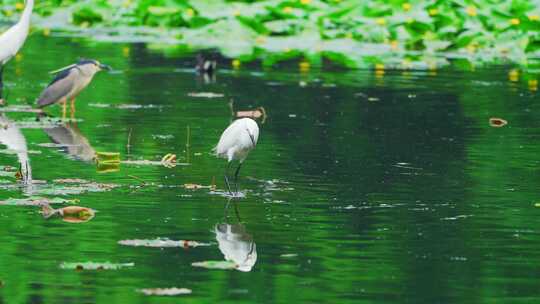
364 187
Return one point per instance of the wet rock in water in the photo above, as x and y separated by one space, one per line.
173 291
95 266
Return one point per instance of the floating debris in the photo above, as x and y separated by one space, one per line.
497 122
144 162
169 160
75 188
70 214
126 106
173 291
206 95
159 136
197 187
95 266
225 265
162 243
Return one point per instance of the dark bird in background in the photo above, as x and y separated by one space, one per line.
69 82
205 65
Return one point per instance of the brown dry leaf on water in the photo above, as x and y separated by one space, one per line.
108 157
173 291
70 214
95 266
161 243
497 122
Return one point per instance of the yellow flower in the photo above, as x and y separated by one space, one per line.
471 11
305 2
287 9
379 66
433 11
534 17
380 21
125 51
304 66
19 6
236 63
46 32
533 84
513 75
349 35
190 12
410 20
406 6
18 57
514 21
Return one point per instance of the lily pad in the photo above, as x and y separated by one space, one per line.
206 95
95 266
173 291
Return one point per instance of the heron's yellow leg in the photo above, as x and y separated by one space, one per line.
64 106
73 108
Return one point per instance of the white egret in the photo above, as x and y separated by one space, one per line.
13 39
235 144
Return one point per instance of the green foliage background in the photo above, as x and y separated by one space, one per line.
397 33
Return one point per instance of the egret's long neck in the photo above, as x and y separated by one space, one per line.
25 18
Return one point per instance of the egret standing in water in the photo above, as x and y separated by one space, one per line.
69 82
235 144
13 39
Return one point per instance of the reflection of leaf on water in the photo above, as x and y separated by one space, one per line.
126 106
161 243
36 201
215 264
95 266
173 291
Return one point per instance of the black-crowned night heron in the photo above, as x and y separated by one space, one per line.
69 82
13 39
235 144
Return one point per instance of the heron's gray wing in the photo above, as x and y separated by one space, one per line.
58 88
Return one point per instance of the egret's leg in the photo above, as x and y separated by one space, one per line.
72 108
236 178
64 106
227 178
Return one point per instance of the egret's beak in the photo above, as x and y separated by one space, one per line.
105 67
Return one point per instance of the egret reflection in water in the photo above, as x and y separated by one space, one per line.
14 140
71 141
236 244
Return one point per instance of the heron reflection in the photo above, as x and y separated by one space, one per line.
14 140
235 243
71 141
